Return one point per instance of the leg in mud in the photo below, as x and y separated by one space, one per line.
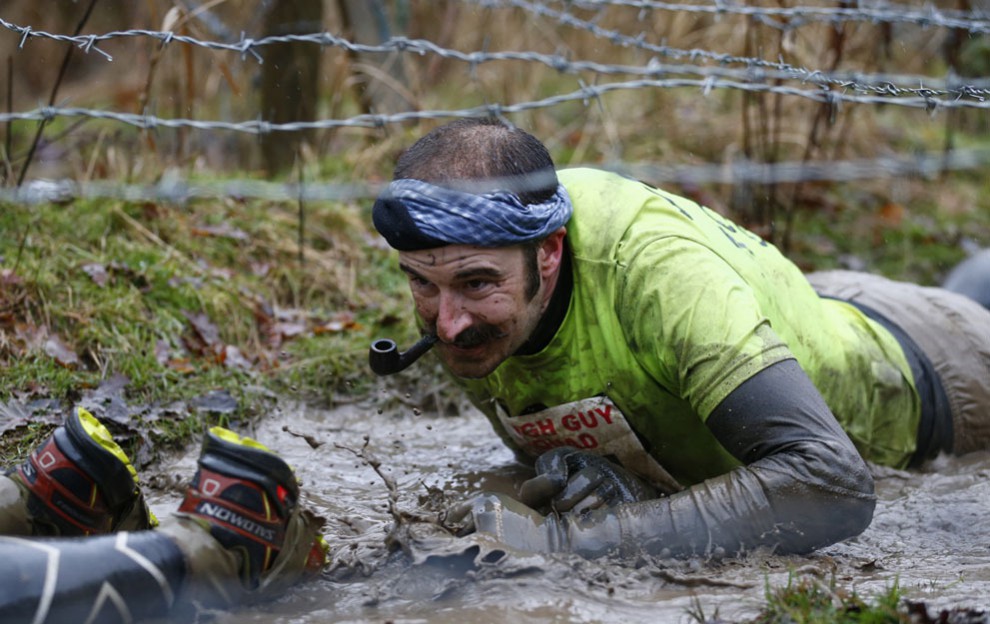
77 482
240 535
241 527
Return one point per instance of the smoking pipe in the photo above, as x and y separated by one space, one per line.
385 359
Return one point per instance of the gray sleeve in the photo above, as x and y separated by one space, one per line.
803 485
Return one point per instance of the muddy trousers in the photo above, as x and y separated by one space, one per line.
121 577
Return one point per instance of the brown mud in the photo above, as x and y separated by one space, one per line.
363 470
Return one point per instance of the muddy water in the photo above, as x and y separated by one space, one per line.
931 534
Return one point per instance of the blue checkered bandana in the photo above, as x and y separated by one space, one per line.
413 215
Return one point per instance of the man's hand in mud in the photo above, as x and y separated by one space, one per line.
508 521
569 480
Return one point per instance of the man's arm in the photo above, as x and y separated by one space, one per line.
804 486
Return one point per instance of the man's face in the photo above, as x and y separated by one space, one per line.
475 299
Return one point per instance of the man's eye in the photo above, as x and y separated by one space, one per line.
476 284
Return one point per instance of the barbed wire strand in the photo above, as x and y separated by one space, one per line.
584 94
973 21
176 190
821 87
882 84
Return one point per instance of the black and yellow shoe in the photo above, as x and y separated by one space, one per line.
248 498
80 482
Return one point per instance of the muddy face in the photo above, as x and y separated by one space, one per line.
482 303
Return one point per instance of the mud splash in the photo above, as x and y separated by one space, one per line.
930 534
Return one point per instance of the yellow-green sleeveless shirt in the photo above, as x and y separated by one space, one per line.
673 307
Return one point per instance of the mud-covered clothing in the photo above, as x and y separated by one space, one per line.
678 317
673 307
803 486
949 334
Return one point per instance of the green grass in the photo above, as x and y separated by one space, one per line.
813 602
170 297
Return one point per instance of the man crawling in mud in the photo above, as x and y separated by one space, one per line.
683 388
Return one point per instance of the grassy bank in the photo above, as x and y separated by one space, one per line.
180 302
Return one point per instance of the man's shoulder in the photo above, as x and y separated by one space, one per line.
581 178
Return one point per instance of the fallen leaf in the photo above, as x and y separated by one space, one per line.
181 365
64 355
891 214
233 358
290 330
8 277
217 402
205 330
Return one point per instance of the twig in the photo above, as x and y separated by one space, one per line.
310 440
302 212
396 537
393 490
8 168
698 581
55 88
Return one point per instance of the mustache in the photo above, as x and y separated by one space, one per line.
476 335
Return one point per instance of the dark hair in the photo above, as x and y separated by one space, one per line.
480 150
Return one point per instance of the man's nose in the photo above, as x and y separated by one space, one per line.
453 317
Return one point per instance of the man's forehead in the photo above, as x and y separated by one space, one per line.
457 257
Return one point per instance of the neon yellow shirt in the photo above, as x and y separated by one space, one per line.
673 307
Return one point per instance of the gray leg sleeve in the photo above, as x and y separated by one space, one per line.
124 577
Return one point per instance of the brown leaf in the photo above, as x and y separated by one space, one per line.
9 278
31 336
290 330
204 328
341 321
891 214
233 358
181 365
57 349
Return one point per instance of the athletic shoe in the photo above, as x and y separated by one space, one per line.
80 482
249 499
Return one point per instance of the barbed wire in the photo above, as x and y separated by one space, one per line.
882 84
639 42
929 100
757 76
173 189
791 17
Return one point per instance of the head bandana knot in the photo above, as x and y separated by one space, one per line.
412 215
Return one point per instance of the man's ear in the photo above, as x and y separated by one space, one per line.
552 252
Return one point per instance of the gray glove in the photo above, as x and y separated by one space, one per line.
509 521
571 480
